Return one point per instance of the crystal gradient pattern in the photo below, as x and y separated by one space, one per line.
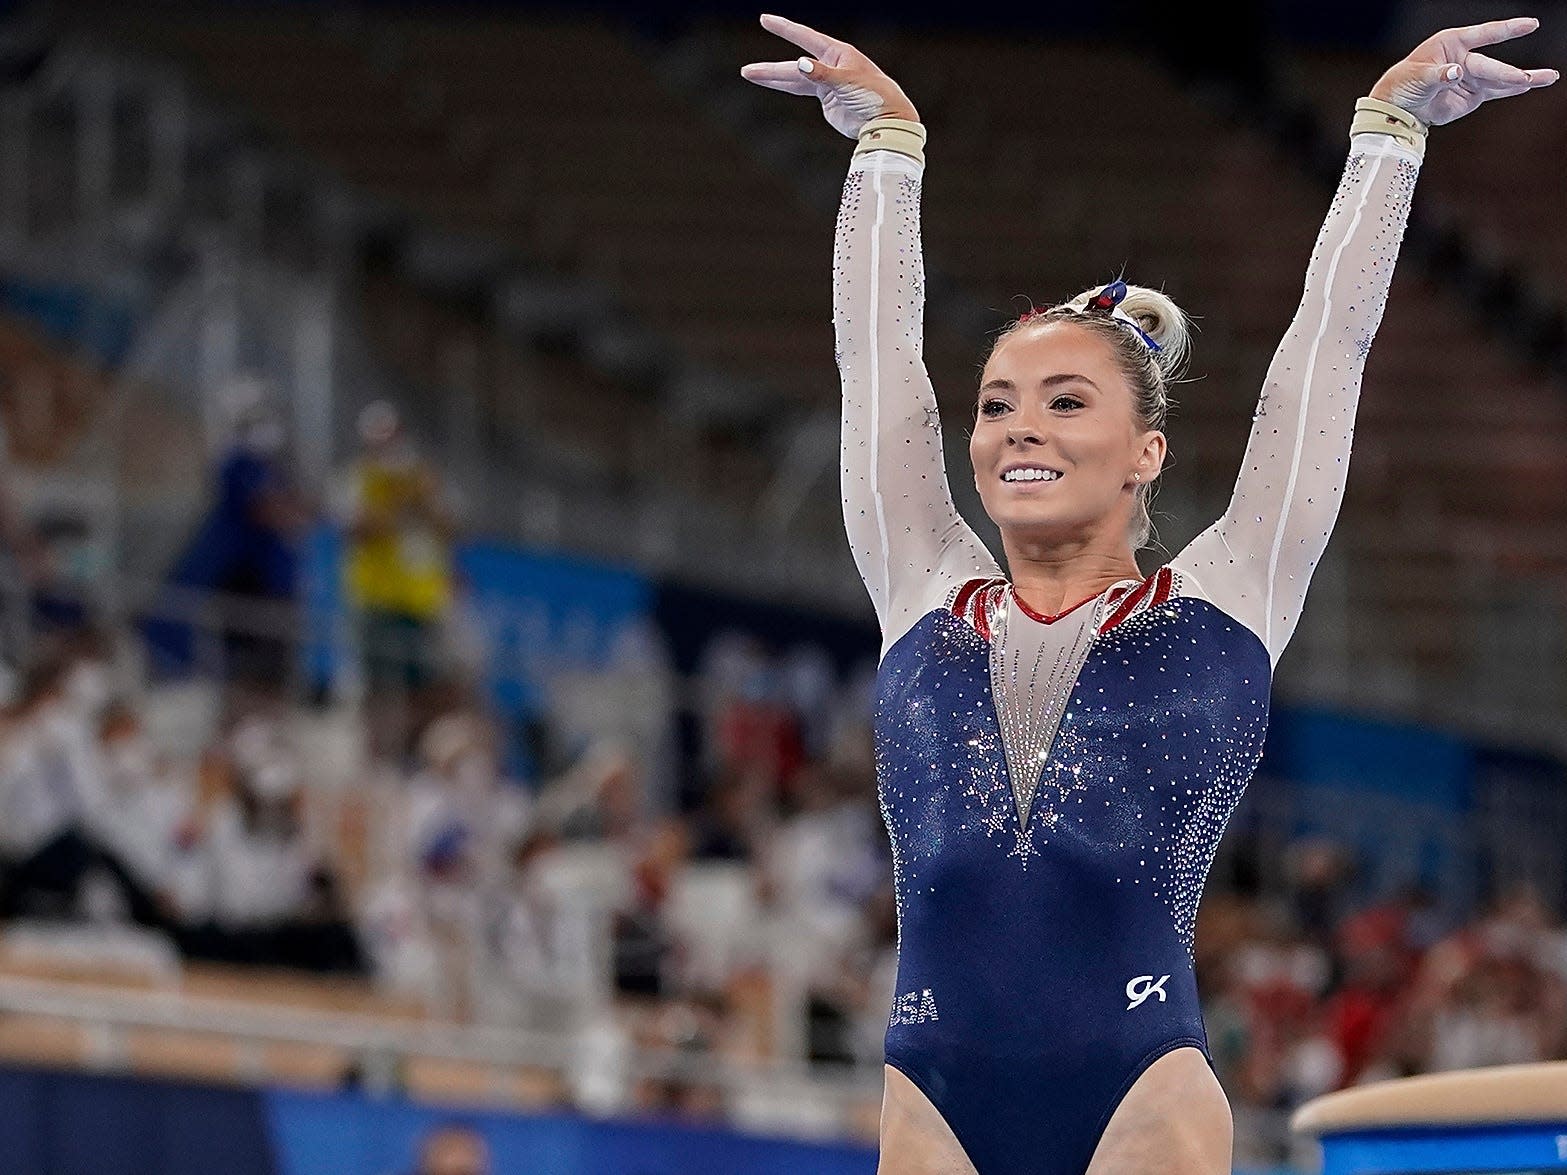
1033 668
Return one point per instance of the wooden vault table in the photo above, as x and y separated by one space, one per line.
1506 1118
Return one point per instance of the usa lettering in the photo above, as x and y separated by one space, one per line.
914 1007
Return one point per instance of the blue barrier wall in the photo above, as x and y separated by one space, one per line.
84 1124
81 1124
1316 748
348 1134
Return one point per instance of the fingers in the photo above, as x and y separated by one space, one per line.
1436 74
1490 71
1494 31
804 36
779 75
1493 74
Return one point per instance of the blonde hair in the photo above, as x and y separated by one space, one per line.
1148 373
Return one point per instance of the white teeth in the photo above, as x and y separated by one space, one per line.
1030 475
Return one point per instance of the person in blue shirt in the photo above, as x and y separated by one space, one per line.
244 553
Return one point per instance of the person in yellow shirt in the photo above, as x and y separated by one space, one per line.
398 568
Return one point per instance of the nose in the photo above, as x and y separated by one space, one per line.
1023 430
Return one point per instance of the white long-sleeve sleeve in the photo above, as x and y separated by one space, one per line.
1256 561
910 544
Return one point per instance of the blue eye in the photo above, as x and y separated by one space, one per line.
1059 404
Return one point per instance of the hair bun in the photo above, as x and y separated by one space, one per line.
1165 322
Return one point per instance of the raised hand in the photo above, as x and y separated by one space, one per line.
851 89
1444 79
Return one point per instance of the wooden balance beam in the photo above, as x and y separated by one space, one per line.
1505 1118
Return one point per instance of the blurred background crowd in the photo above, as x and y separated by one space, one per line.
422 577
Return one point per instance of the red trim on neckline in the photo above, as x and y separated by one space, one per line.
965 594
1166 579
982 611
1040 616
1128 604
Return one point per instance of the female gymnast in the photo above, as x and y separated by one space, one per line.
1058 751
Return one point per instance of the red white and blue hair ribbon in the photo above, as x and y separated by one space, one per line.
1108 302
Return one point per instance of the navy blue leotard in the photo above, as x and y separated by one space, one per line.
1055 788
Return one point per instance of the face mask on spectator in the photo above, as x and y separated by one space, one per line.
89 687
129 759
275 778
264 436
472 774
1506 940
59 721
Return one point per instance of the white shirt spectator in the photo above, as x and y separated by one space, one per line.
144 811
258 876
826 864
1467 1038
50 778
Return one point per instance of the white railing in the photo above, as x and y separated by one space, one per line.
815 1096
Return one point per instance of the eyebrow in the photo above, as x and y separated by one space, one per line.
1049 381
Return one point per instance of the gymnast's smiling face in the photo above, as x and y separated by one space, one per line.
1053 398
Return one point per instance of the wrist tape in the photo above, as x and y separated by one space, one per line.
893 134
1374 116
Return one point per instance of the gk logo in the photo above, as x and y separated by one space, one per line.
914 1007
1139 989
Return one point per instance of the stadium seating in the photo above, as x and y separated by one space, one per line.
1483 175
48 399
484 126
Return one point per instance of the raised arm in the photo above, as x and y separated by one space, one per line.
908 540
1256 561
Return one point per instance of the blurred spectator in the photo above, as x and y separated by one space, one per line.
453 1149
272 898
758 735
1496 1014
1489 994
462 818
401 527
747 725
1319 872
52 784
848 1003
49 568
598 798
147 813
245 551
733 818
68 572
809 687
830 857
543 944
645 952
449 840
1363 1013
